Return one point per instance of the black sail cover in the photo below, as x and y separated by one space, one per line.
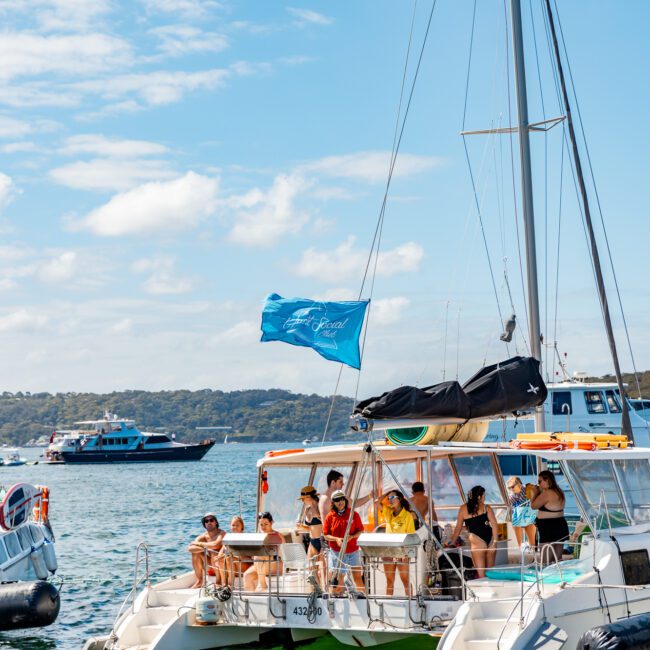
506 387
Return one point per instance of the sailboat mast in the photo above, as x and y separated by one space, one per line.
527 194
626 425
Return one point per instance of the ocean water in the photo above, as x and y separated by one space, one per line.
100 513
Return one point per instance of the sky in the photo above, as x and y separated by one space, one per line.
166 164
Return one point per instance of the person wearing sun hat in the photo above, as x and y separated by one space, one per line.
209 541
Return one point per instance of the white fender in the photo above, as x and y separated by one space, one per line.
49 555
38 562
207 610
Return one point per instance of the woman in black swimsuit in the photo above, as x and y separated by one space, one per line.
482 526
552 528
312 524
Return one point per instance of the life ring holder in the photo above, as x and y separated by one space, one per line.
16 507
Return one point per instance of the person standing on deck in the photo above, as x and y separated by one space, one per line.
334 482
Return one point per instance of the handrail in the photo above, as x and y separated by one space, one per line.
512 611
136 583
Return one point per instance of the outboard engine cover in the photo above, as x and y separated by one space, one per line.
28 604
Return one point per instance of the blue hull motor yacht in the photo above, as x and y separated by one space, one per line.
118 440
27 559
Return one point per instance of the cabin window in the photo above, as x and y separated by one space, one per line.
443 489
634 477
152 440
612 401
405 473
478 470
25 537
562 402
284 485
595 402
596 487
3 553
320 479
13 545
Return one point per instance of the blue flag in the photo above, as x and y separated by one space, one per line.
330 328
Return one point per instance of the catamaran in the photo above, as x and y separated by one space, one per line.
529 599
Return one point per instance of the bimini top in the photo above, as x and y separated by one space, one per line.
341 454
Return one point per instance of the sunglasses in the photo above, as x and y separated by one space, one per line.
338 500
209 520
393 497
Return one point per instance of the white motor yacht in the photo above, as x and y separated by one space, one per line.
12 458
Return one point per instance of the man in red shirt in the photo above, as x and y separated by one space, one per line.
334 528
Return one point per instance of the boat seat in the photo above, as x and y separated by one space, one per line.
294 563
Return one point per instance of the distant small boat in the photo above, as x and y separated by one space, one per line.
13 458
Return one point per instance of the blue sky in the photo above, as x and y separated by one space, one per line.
168 163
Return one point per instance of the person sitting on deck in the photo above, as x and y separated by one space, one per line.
209 541
255 577
227 567
334 528
482 525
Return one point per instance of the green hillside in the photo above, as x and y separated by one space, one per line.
254 415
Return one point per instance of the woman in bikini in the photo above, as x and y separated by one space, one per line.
482 526
313 525
552 528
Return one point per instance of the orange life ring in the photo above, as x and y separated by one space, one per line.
538 445
282 452
42 505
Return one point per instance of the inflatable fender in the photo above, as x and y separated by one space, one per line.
633 632
28 604
49 555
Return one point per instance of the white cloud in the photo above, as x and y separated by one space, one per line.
154 88
346 262
309 16
100 145
188 8
123 326
337 294
268 216
61 268
243 333
18 147
7 190
110 174
167 205
386 311
25 54
11 128
178 40
163 279
23 320
60 15
371 166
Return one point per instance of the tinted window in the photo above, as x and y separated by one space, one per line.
156 439
595 402
562 402
612 401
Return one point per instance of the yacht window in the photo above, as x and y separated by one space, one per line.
612 401
3 553
634 476
366 511
284 487
478 470
444 489
404 473
320 479
597 490
562 402
595 402
25 537
636 567
152 440
37 533
13 545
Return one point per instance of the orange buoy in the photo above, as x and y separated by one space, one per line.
538 445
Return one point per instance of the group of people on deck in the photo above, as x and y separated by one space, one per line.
328 520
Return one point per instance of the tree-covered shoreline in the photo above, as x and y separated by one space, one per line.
254 415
